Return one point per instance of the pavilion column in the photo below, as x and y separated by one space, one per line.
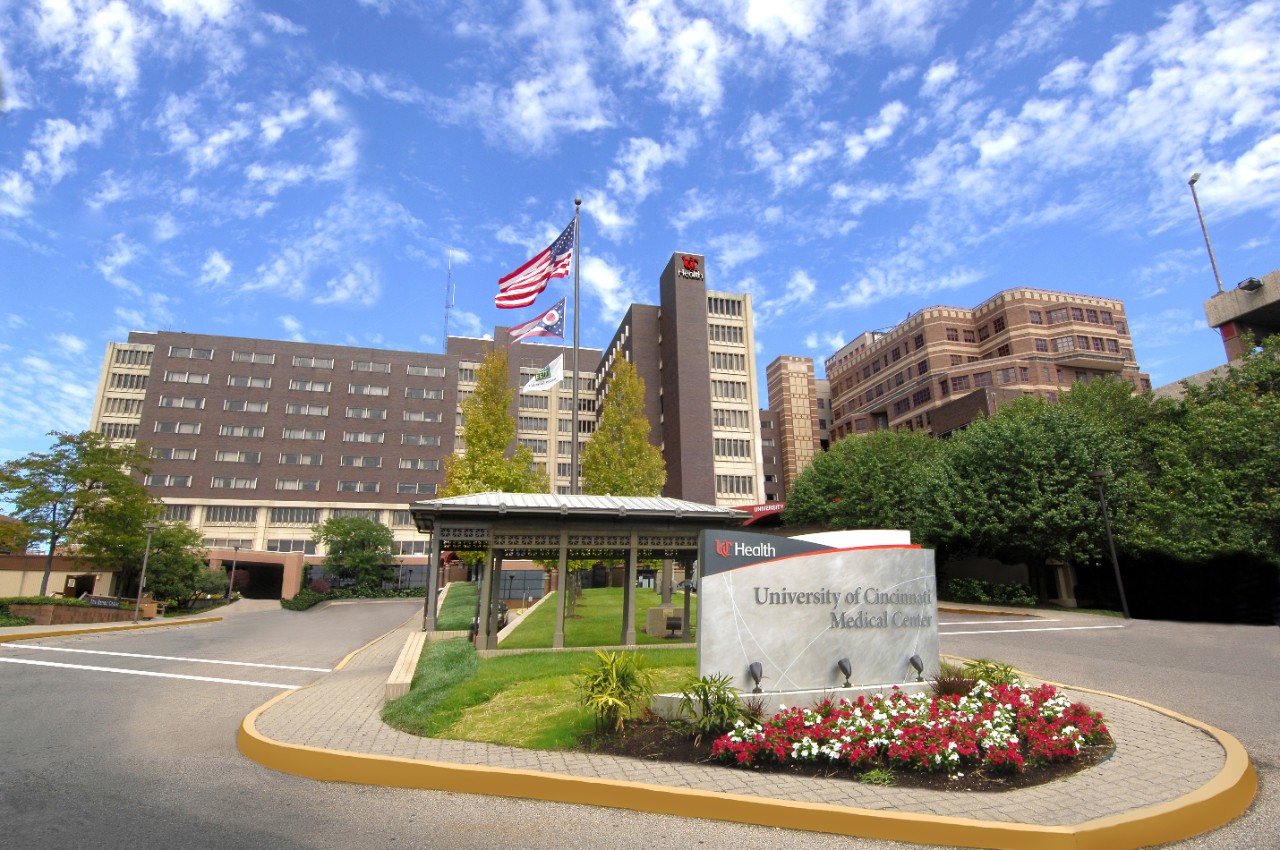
668 579
482 621
562 587
495 596
687 627
629 593
429 613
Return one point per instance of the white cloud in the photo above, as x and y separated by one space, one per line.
292 328
777 23
16 193
215 270
119 257
57 140
165 228
101 38
899 25
610 286
857 146
938 76
282 25
733 249
69 343
360 286
467 324
687 56
824 342
694 206
794 166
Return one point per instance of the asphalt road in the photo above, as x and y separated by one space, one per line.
111 759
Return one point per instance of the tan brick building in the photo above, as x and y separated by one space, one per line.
944 366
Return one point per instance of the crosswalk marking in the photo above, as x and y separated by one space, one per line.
164 657
35 663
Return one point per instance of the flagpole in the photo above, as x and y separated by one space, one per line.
577 267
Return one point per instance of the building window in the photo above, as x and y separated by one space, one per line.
248 381
410 547
1064 343
311 386
364 436
960 383
953 335
128 381
368 389
1036 317
366 413
309 485
191 353
982 379
1042 345
177 427
370 461
422 416
970 336
1077 314
1003 351
307 409
430 464
1057 315
1024 374
1007 376
230 515
725 333
423 392
1105 315
944 388
295 516
467 374
357 486
236 406
307 547
983 333
173 454
896 353
133 357
241 430
370 366
419 440
1121 328
402 518
1082 343
1113 346
956 360
187 377
740 485
538 447
303 434
919 341
420 489
425 371
188 402
252 357
1098 344
921 396
313 362
997 324
532 423
237 457
176 513
301 459
901 406
371 514
167 481
231 483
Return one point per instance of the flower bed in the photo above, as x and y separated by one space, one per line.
1002 728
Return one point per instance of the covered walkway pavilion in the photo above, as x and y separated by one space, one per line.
552 527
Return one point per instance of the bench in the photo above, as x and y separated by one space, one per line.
402 674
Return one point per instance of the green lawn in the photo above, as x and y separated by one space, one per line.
459 607
597 620
521 700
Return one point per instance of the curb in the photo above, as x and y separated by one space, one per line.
1219 801
98 630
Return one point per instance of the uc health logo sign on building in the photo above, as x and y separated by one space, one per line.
797 606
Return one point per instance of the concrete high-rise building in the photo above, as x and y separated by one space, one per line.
793 402
944 366
1249 310
696 354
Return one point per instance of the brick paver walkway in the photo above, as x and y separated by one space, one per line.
1157 758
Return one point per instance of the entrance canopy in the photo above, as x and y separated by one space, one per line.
549 526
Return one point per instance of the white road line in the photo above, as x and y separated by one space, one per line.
994 622
1014 631
146 673
164 657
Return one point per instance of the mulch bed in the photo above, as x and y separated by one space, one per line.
657 740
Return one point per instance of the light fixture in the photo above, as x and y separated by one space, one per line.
755 671
142 579
1249 284
918 664
1099 477
847 669
1200 215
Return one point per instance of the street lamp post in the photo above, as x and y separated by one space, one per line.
1098 477
1192 183
142 580
235 558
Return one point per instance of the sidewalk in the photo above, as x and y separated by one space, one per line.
1170 777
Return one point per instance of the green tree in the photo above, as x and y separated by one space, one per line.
863 482
488 430
70 491
358 549
176 567
619 460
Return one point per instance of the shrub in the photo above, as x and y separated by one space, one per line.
307 597
992 672
319 585
712 705
614 687
951 679
977 590
302 600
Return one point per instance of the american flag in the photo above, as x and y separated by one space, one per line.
521 287
550 323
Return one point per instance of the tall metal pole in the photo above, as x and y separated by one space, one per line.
577 266
1098 478
142 579
1192 183
235 558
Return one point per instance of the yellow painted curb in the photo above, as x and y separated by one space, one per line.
1221 800
127 627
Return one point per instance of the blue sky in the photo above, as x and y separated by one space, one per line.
299 170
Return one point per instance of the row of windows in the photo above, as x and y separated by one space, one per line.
725 447
297 459
535 402
287 484
127 381
736 485
303 362
727 361
718 306
727 418
729 389
726 333
133 357
245 515
122 406
258 431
